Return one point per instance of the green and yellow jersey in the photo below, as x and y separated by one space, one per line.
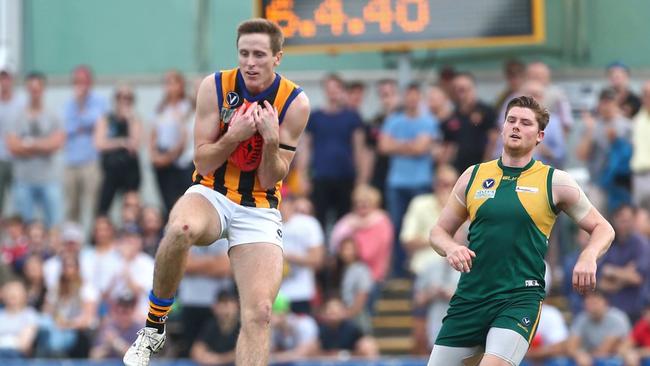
511 212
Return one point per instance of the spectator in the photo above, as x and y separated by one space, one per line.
377 161
339 337
640 163
131 209
624 269
514 72
478 130
34 139
207 275
71 309
117 137
408 139
15 244
552 150
371 229
304 252
637 345
293 337
598 331
556 99
550 340
597 143
151 222
34 282
215 345
10 104
446 76
118 330
72 241
356 286
104 256
40 240
421 216
134 272
618 76
440 106
434 286
82 173
168 140
355 91
18 322
334 141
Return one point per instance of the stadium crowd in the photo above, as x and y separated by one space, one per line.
357 207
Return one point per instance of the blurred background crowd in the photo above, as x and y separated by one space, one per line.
357 207
89 171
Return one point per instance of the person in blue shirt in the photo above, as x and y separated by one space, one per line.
407 138
335 139
82 174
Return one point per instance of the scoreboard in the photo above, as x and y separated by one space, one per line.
356 25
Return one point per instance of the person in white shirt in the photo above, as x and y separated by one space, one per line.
135 271
304 252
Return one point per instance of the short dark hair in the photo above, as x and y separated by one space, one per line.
355 84
607 93
265 26
541 114
333 77
36 75
514 67
466 74
413 86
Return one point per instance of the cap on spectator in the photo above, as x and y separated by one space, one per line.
618 64
72 232
607 94
281 305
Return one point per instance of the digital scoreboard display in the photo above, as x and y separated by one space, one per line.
354 25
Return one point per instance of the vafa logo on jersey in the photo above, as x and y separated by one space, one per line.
233 99
488 190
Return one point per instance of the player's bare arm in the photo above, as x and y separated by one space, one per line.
211 150
279 143
570 198
451 218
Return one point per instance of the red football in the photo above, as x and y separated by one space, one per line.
248 155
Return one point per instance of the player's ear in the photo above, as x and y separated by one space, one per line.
540 136
277 58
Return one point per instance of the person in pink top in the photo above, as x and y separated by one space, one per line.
371 228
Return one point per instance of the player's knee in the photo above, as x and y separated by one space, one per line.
183 232
257 315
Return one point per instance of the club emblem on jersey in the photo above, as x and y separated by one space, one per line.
525 320
488 183
233 99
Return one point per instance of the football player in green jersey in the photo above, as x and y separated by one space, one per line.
512 204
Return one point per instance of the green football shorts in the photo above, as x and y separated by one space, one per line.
467 323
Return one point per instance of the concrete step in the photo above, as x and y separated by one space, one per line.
392 306
399 322
395 345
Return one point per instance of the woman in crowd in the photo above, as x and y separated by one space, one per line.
117 138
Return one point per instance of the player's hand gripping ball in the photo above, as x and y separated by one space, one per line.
248 154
